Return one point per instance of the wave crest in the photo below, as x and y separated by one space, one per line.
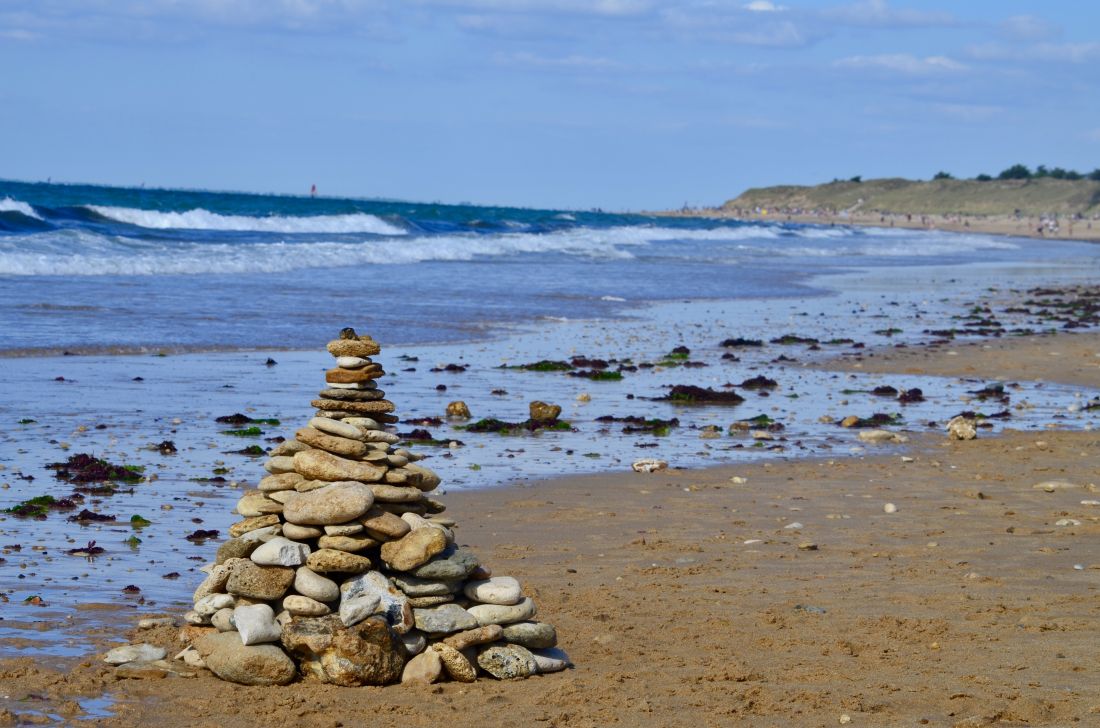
200 219
9 205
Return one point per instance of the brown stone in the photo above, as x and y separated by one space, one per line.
455 663
236 548
383 525
478 636
340 502
240 528
320 465
361 347
331 560
267 583
394 494
352 543
424 669
543 411
283 481
352 376
230 660
414 549
331 443
458 410
377 407
367 653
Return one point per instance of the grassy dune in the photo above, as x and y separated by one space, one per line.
1031 197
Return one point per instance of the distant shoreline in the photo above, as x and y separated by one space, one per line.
1025 226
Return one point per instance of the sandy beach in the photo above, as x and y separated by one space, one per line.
788 598
1024 227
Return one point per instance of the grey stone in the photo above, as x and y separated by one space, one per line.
142 652
338 503
308 582
498 590
532 635
500 614
372 593
452 564
444 619
281 552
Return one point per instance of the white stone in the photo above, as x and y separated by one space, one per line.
551 659
261 534
1052 485
143 652
961 428
502 590
373 593
213 602
351 362
880 436
890 508
223 620
190 657
256 624
281 552
193 617
649 465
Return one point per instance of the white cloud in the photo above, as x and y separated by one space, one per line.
764 6
1052 52
968 112
878 13
902 63
570 62
1028 27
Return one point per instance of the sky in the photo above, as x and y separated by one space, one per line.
617 104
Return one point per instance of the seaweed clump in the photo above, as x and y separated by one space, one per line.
85 468
690 394
39 506
491 424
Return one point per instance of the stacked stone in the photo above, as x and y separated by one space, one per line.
344 569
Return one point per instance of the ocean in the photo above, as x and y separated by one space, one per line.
89 268
223 301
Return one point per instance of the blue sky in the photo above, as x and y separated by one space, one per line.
621 104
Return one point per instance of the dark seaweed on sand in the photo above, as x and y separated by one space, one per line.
86 516
491 424
39 506
597 375
788 339
910 396
634 424
424 437
740 342
544 365
239 419
878 419
690 394
85 468
759 382
201 535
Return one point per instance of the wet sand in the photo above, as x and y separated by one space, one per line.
969 606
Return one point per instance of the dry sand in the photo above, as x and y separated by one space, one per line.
686 599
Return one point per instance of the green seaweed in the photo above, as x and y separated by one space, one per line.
36 507
246 432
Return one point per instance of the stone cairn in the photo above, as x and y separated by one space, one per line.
344 570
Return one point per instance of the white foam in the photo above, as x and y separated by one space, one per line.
81 252
9 205
200 219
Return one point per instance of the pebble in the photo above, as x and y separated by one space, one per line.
507 662
225 656
474 637
423 669
649 465
311 584
302 606
444 619
890 508
455 663
498 590
499 614
530 634
142 652
550 659
1052 485
331 560
452 564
